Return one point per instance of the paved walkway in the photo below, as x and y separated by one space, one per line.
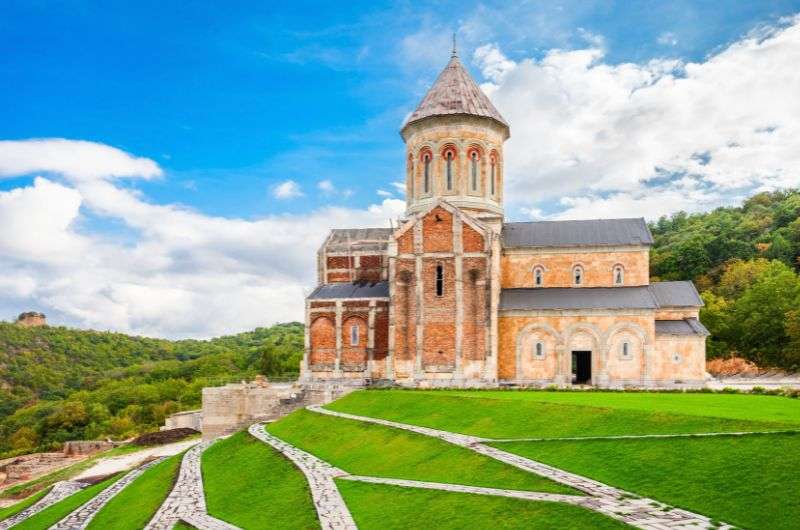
636 511
115 464
83 515
331 508
59 491
186 502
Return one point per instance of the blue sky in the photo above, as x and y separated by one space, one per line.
232 101
170 169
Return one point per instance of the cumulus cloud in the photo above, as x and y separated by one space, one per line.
170 271
649 139
288 189
325 186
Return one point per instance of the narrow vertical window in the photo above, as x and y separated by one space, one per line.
619 275
626 350
492 179
427 177
538 277
539 350
449 170
474 170
354 335
439 280
577 275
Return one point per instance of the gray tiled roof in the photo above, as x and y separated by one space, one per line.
455 92
596 232
676 294
672 294
689 326
342 239
350 290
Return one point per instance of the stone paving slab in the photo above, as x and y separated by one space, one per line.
332 511
644 513
60 491
80 518
187 501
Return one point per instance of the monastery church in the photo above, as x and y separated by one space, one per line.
455 296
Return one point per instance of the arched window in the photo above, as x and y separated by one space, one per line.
626 350
473 157
538 276
439 279
577 275
619 275
493 173
426 161
538 351
449 158
410 174
354 330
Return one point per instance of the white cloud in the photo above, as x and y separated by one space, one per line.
493 64
174 272
667 38
399 187
651 138
384 193
326 186
288 189
75 159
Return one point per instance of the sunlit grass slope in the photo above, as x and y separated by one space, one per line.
752 481
379 507
509 414
367 449
250 485
133 507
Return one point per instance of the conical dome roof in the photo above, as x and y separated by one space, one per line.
455 92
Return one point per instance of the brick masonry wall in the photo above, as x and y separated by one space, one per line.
323 338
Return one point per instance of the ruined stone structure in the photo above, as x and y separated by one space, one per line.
31 319
455 296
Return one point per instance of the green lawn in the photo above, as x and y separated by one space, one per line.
14 509
752 481
50 516
250 485
367 449
133 507
382 507
517 414
180 525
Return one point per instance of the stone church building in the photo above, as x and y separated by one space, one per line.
456 296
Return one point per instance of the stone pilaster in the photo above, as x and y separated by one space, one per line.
305 372
458 250
337 369
371 338
420 321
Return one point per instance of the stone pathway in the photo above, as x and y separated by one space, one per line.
331 508
187 502
644 513
59 491
633 436
83 515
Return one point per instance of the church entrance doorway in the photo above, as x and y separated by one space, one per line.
581 367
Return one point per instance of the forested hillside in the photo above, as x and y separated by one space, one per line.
59 384
744 261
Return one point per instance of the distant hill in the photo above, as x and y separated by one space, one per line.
58 383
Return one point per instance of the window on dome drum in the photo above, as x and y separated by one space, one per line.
619 275
577 275
439 280
474 161
354 335
538 352
492 178
538 277
426 159
449 157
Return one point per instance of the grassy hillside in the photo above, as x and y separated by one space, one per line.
59 384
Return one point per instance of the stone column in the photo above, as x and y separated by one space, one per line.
458 246
371 339
337 367
420 321
647 373
602 372
562 372
388 372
